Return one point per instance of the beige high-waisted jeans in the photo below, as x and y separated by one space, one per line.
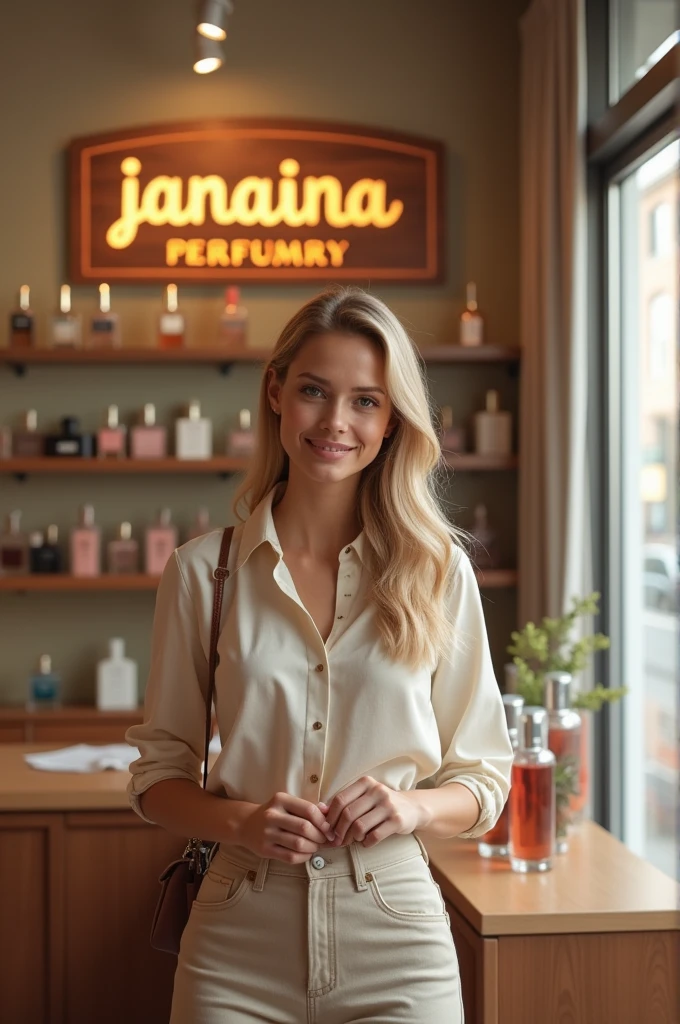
352 935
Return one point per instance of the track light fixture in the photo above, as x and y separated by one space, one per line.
212 18
208 55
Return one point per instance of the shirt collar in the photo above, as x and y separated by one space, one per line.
259 527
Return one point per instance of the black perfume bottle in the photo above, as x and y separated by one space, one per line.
70 442
45 556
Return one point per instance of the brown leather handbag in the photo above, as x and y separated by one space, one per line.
182 878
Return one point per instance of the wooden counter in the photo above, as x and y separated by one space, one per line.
594 941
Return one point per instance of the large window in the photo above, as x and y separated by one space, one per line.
641 32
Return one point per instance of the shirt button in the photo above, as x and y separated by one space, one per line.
313 778
317 725
489 784
318 862
319 668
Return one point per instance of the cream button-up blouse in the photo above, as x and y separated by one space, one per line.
299 716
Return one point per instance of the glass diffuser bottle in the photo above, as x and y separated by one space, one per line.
564 739
494 843
532 795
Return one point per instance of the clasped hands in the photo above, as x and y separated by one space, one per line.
367 812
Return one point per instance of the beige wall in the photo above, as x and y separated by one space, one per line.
440 68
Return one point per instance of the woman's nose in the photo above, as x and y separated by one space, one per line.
334 416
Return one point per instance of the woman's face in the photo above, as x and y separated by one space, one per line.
334 396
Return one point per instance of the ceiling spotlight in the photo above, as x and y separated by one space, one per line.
208 56
212 18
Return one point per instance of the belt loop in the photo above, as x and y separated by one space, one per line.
422 847
262 869
359 872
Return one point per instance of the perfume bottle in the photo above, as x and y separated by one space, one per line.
70 442
45 555
147 439
564 739
494 843
44 686
193 434
493 428
241 442
486 547
86 545
160 542
234 321
22 322
451 439
27 442
117 680
13 547
532 795
67 327
105 326
471 321
111 438
122 554
510 677
171 327
200 525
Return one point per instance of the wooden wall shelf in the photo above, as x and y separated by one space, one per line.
471 463
66 466
50 582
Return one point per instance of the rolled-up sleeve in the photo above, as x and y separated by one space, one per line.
468 707
171 737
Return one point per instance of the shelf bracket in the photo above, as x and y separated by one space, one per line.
21 477
19 369
225 369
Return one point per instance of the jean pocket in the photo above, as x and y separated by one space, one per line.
224 884
407 891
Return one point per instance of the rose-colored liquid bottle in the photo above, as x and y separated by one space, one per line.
564 739
494 843
532 795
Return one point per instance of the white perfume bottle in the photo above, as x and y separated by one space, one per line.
117 680
193 434
67 327
493 428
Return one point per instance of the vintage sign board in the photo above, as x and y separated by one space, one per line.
255 200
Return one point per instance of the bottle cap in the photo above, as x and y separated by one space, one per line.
70 425
171 298
112 417
104 298
65 299
125 531
233 295
24 297
492 401
45 665
512 704
31 420
447 417
164 517
52 534
87 515
532 731
194 409
557 691
244 419
510 677
36 539
472 296
149 415
117 648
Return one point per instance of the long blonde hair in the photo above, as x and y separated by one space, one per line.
412 547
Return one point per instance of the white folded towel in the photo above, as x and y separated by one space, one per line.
85 757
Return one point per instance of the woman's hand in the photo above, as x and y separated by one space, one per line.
367 812
286 828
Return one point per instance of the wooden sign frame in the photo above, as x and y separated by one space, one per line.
132 191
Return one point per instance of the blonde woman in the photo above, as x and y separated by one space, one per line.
353 666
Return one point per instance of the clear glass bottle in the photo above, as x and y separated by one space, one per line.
494 843
193 434
28 442
241 442
486 549
105 326
532 795
160 542
148 440
171 326
14 547
471 321
45 555
233 330
66 329
451 439
111 438
86 543
200 525
122 554
564 739
44 686
493 428
22 322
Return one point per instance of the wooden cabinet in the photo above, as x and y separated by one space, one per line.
67 725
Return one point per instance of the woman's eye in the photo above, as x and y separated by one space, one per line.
372 401
307 388
310 387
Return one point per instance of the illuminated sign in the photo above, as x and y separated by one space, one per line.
255 201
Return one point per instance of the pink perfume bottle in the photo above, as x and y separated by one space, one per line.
532 795
160 542
241 442
122 554
86 545
111 438
234 321
494 843
147 439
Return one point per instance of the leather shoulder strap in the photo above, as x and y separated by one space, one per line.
220 574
